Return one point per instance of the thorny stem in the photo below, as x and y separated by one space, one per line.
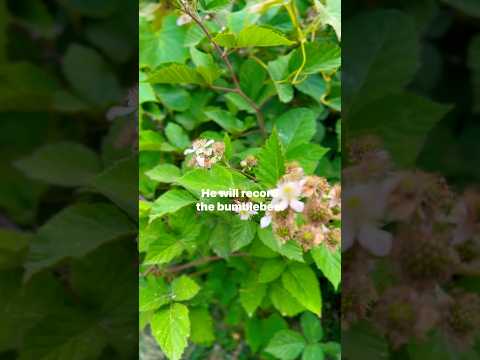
226 60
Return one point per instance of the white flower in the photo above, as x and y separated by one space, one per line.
335 197
363 211
265 221
202 150
246 214
288 194
200 147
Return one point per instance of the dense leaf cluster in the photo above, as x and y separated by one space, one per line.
245 95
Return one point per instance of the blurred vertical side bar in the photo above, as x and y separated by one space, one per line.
68 182
411 200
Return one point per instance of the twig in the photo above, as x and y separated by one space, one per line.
226 60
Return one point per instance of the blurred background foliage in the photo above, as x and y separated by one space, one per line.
411 77
68 283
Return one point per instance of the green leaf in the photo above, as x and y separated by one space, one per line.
321 56
313 352
213 4
271 162
160 47
271 270
119 183
364 342
153 141
285 303
202 327
164 173
302 283
379 66
90 76
219 239
177 136
331 14
313 86
64 164
238 20
391 119
331 348
26 87
205 65
86 226
259 36
171 329
228 147
312 327
307 155
170 202
217 178
172 97
258 332
226 120
13 248
252 294
175 74
231 234
103 281
329 263
163 248
252 77
296 127
278 70
26 304
153 293
290 250
227 40
286 345
81 337
184 288
240 102
242 233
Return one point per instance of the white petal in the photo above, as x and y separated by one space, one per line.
297 205
188 151
274 192
265 221
201 161
280 204
377 241
208 143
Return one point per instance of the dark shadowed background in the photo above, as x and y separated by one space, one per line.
68 183
410 227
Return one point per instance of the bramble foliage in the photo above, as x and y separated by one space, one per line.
246 95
